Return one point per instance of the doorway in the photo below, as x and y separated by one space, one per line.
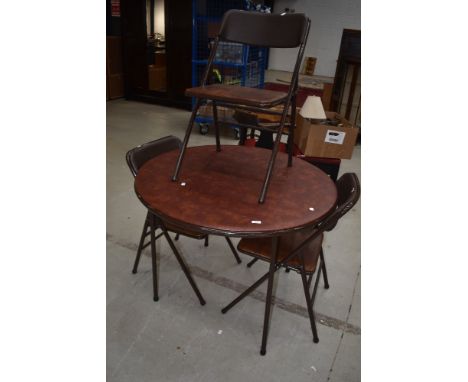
346 94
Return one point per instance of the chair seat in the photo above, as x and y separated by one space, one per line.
184 232
238 95
261 248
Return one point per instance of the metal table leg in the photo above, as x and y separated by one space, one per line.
271 275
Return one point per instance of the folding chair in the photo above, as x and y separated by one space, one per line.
136 157
263 30
299 251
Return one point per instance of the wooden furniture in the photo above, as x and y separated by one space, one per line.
326 95
114 68
216 194
167 89
156 78
257 29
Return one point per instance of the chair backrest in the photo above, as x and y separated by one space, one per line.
349 191
139 155
264 29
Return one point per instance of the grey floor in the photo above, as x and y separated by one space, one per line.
177 339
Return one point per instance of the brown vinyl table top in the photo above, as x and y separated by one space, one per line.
217 192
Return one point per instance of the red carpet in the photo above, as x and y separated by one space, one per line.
301 95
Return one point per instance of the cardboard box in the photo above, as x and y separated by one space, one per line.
326 141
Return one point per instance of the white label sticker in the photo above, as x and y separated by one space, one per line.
334 136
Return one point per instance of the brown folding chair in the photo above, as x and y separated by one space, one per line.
299 251
136 157
263 30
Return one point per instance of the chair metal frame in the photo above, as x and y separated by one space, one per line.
323 268
348 195
153 223
228 32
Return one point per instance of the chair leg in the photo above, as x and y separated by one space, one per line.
153 259
216 126
317 279
244 294
242 135
309 305
271 164
186 139
252 262
140 246
234 252
309 281
271 276
324 269
176 237
184 267
292 127
206 241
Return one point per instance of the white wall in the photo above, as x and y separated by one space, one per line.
159 17
328 19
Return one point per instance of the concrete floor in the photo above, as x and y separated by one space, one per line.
176 339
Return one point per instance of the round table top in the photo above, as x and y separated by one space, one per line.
218 192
